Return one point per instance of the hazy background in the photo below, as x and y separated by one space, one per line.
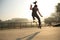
20 8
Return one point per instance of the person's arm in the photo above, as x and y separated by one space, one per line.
30 7
40 13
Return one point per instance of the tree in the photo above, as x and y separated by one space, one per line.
58 12
58 8
55 17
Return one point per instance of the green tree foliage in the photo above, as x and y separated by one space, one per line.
55 17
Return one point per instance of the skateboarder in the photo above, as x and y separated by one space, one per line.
34 13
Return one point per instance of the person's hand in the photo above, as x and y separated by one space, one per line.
31 5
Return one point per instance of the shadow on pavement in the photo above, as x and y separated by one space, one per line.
29 37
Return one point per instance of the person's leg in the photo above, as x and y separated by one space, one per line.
39 21
33 19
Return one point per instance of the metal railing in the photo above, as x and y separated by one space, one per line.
17 24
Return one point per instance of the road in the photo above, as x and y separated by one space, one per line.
45 33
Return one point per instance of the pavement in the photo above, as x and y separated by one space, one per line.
45 33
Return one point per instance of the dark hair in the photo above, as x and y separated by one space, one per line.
35 2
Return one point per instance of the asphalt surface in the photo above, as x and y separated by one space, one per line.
45 33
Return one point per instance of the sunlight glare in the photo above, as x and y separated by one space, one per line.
46 7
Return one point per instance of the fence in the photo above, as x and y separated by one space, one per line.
17 24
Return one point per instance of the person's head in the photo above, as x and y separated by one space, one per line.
35 6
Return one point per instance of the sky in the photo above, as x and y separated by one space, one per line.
20 8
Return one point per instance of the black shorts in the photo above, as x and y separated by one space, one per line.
35 15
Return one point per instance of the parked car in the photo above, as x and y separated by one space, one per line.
56 24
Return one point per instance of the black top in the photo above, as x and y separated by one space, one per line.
34 10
